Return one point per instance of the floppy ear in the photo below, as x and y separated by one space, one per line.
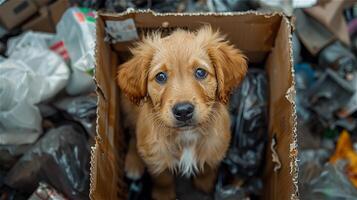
132 75
229 63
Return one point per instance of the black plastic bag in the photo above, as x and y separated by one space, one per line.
60 158
248 109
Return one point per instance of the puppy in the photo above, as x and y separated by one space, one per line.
181 83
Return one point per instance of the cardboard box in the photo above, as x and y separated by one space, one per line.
264 38
48 17
41 22
14 12
41 3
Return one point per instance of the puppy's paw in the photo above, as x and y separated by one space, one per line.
167 193
134 166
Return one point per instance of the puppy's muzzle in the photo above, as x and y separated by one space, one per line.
183 111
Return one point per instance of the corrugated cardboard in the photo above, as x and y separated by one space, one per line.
41 22
14 12
265 38
330 14
48 17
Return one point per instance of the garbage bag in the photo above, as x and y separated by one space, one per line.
243 162
44 191
329 94
77 29
60 158
20 119
38 40
51 72
248 108
339 58
82 109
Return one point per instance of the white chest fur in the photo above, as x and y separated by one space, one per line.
187 164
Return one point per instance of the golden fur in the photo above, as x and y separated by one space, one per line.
164 147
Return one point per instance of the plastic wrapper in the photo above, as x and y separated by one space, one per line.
339 58
83 109
77 29
60 158
243 162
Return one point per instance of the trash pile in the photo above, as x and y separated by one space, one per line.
48 103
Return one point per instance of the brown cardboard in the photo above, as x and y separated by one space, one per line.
330 14
41 22
56 10
48 17
265 38
41 3
14 12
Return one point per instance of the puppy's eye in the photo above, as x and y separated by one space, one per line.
161 77
200 73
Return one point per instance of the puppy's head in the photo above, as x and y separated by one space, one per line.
183 75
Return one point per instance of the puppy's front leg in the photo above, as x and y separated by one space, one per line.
164 186
134 165
206 180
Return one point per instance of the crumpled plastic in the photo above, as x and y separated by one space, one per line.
304 78
44 191
181 6
77 29
82 109
329 94
60 158
38 40
248 109
330 184
339 58
29 76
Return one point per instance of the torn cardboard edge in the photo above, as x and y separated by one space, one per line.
290 98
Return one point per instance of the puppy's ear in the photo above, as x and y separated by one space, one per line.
132 75
229 63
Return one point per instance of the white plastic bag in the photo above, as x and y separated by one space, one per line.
77 29
37 40
51 72
29 76
20 120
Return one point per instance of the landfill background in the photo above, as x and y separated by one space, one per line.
48 100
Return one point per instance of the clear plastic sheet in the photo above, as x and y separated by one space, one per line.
77 29
60 158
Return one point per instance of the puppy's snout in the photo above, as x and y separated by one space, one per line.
183 111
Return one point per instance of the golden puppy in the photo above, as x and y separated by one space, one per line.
182 83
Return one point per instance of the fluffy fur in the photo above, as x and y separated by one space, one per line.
160 141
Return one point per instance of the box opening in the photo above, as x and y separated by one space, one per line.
264 38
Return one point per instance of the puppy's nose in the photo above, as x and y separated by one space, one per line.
183 111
